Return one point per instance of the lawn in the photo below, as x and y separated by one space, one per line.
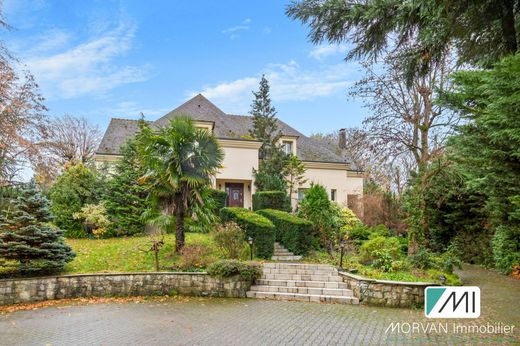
126 255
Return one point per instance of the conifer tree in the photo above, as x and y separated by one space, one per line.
26 235
126 199
265 127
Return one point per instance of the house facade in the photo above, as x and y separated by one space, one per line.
343 182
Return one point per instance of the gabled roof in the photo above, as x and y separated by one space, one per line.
226 126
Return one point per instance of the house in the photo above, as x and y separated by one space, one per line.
342 181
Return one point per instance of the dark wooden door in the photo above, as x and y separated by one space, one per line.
235 192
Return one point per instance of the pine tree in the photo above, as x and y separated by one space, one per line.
294 172
265 127
27 236
126 199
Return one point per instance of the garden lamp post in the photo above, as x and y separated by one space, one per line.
443 280
342 245
250 242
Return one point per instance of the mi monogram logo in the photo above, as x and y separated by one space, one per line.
452 302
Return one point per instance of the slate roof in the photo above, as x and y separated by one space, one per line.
226 126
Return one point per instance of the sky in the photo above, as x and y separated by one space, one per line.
104 59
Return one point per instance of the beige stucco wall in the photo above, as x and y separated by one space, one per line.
332 179
238 163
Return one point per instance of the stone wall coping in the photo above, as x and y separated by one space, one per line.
387 282
100 274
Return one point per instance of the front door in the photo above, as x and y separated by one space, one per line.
235 192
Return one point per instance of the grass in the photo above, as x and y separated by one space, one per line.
126 255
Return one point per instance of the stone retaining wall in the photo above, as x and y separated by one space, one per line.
21 290
386 293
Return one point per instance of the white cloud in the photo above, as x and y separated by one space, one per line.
244 26
323 51
87 68
132 110
289 82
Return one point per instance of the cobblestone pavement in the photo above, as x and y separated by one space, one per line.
202 321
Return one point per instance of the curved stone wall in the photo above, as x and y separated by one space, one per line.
24 290
386 293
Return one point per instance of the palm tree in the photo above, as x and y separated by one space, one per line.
180 161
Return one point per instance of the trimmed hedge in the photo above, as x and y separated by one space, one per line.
271 200
256 226
220 197
295 233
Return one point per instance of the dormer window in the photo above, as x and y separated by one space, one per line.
287 147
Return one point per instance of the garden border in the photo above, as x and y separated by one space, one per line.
386 292
26 290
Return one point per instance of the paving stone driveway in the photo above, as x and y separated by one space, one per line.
220 322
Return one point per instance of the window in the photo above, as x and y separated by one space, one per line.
301 193
333 194
287 147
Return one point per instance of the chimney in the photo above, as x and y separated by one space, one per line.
342 143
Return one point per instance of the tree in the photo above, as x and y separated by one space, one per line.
265 126
487 148
75 188
482 31
70 140
126 199
265 129
27 236
294 173
180 161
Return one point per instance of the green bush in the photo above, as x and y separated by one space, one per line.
371 249
295 233
271 200
423 259
256 226
228 268
359 232
219 197
506 248
230 239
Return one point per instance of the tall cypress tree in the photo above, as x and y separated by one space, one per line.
27 236
126 198
265 129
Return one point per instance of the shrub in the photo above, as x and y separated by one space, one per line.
77 186
295 233
382 260
94 218
271 200
317 208
423 259
379 231
447 260
194 257
368 251
230 239
219 197
359 232
506 248
228 268
256 226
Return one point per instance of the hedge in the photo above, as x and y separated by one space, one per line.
295 233
220 197
256 226
271 200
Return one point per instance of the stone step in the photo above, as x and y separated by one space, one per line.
286 258
300 277
292 283
305 266
303 290
321 271
303 297
283 253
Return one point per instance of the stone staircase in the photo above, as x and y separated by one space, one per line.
301 282
283 255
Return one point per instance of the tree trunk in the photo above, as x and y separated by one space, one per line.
179 230
508 26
